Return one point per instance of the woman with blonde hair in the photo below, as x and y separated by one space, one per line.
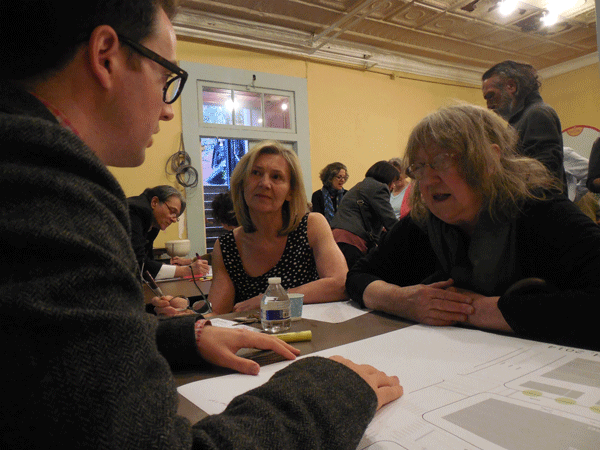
277 236
490 242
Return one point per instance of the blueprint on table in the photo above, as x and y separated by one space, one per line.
463 390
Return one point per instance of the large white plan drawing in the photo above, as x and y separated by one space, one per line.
463 390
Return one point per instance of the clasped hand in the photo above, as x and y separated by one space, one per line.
443 304
438 304
169 306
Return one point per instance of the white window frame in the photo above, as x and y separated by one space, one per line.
193 129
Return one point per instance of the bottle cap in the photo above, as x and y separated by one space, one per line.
275 280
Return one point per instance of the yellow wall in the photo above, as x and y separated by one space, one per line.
357 117
575 96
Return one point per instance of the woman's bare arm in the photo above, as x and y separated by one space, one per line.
222 291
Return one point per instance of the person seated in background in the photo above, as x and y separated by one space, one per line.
490 241
223 212
223 215
365 211
589 205
400 195
327 199
593 180
152 211
277 237
84 86
576 173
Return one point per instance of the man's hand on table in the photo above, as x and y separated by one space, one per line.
386 388
219 346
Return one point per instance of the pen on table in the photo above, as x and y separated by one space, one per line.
196 258
152 284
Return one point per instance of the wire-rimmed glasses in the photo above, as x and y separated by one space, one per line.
440 162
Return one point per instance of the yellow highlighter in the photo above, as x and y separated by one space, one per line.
295 337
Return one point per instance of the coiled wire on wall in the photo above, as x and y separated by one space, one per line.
180 165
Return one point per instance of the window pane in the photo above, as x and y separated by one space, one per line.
277 111
248 108
217 105
219 158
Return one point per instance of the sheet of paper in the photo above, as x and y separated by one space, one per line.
206 277
335 312
463 390
218 322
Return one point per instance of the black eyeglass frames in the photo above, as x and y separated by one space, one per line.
174 85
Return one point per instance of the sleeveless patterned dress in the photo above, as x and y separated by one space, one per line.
296 267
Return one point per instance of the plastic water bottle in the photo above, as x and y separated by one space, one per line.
275 313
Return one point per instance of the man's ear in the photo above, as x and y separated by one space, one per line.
511 86
104 54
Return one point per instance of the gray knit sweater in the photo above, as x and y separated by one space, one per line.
84 365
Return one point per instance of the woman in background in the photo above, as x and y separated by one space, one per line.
277 237
400 195
152 211
365 211
327 199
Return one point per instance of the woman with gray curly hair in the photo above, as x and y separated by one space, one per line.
327 199
490 242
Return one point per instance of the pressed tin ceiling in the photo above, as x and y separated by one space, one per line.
451 39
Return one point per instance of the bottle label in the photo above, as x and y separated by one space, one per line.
272 309
276 314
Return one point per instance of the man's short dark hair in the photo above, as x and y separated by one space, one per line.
39 37
383 172
524 75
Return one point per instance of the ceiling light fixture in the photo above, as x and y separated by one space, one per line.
554 9
550 18
507 7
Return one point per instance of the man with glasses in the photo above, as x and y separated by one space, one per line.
84 85
152 211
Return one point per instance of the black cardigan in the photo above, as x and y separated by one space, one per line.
555 242
142 235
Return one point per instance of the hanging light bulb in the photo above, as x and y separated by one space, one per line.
554 9
550 18
506 7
